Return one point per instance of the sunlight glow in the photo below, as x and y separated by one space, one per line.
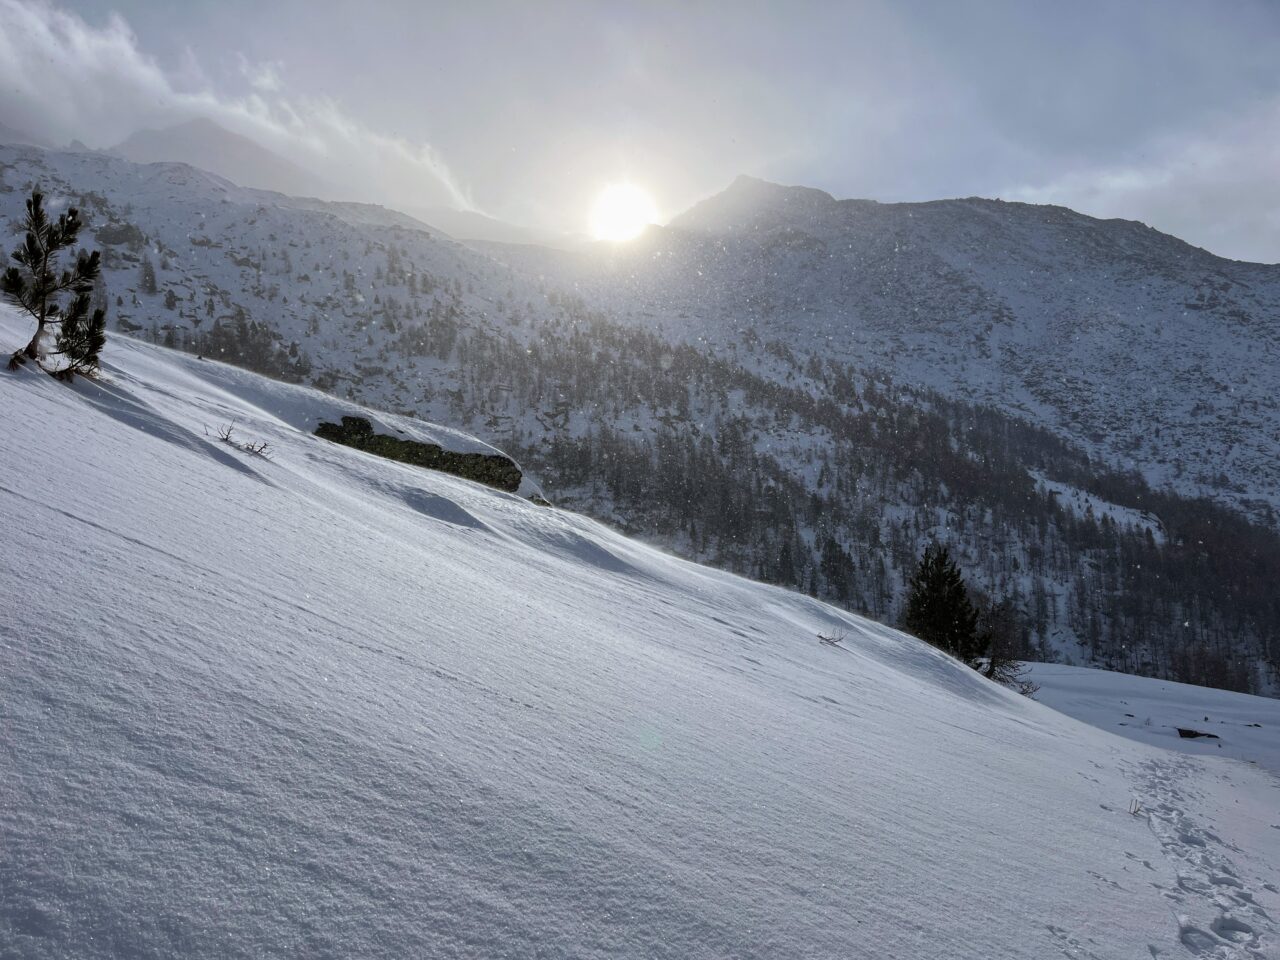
621 212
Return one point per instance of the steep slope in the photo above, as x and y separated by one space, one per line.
329 705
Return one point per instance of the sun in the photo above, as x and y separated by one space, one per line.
621 212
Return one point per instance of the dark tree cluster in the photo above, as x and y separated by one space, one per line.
253 345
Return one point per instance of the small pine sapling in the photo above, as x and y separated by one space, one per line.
37 287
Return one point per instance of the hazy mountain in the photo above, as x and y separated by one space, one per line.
208 146
13 136
468 225
204 144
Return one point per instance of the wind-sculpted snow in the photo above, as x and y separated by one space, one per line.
328 705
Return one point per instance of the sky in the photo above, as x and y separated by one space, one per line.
1166 112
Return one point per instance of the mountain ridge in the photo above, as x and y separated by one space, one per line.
755 193
205 144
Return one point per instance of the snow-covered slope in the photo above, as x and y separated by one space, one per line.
329 705
1142 708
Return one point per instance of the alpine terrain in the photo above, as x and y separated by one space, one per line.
802 390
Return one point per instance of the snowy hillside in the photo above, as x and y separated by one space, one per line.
329 705
638 397
1152 711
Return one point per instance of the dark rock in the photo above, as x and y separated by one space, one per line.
491 469
1186 734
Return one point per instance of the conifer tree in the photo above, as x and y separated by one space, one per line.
37 287
939 610
147 276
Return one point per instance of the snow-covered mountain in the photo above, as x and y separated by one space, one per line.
752 446
324 704
209 146
1153 354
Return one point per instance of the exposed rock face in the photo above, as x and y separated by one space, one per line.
492 470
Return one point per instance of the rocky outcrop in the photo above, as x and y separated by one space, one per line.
491 469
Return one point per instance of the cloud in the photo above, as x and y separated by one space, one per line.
62 78
264 77
1216 187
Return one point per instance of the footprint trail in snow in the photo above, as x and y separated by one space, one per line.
1213 904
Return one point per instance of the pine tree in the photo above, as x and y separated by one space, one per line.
36 286
939 610
147 276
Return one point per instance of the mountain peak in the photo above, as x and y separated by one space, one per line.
208 145
749 203
198 131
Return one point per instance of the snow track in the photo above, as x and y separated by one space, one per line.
1214 903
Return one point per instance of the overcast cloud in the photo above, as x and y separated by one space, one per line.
1166 112
62 79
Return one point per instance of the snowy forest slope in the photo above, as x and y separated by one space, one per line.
330 705
1153 354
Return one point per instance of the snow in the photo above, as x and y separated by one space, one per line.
1151 711
258 409
330 705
